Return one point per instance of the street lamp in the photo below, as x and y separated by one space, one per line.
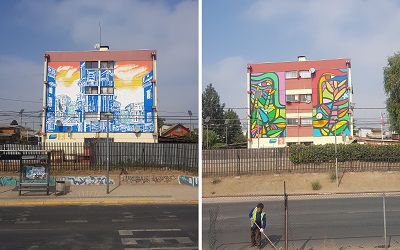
108 151
226 131
336 166
206 121
20 112
190 119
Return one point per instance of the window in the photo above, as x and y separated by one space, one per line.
305 98
106 90
292 98
304 74
291 74
91 90
103 116
307 121
292 121
92 65
107 64
91 116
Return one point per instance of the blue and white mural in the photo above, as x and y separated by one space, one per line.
80 97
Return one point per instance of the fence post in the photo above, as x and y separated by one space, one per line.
286 216
238 168
384 219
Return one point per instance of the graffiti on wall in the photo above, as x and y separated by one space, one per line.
188 180
267 105
330 102
87 180
79 96
146 179
14 181
9 181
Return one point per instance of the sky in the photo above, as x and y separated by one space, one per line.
236 33
30 28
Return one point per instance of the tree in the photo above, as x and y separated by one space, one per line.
215 110
391 76
233 127
211 139
160 122
14 122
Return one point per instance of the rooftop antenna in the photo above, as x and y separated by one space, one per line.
98 45
100 32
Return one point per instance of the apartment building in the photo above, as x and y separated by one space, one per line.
89 94
304 101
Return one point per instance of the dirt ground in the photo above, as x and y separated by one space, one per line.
301 183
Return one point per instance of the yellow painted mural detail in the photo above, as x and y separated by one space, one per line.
67 75
129 76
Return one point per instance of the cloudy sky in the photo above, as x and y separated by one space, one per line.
29 28
253 31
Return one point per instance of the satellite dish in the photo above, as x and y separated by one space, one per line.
136 129
312 70
319 116
97 46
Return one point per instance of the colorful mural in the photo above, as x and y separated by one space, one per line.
330 102
268 113
79 97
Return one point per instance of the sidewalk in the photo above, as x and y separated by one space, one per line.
97 194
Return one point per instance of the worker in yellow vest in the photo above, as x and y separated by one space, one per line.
257 216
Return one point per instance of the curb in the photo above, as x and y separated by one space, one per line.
95 202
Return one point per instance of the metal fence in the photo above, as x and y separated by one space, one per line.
236 162
124 156
346 221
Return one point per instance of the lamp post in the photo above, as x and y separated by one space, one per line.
226 131
206 121
108 152
190 120
20 112
336 166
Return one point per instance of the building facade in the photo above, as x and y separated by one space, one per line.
308 102
91 93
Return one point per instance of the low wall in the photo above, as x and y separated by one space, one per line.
112 180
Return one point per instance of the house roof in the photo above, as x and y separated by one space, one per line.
173 127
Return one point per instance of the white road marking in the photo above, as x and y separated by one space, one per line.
27 222
122 220
130 232
76 221
159 240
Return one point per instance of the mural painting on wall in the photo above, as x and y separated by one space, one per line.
330 102
80 96
267 105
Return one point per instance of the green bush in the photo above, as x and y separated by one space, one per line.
315 185
301 154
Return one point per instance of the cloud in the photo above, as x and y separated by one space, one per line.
362 30
170 27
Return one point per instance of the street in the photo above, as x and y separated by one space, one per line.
327 223
150 226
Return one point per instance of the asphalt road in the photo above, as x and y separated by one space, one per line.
327 223
153 226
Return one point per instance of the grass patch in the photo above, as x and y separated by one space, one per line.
315 185
215 180
332 176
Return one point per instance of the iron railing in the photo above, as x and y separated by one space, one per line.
123 155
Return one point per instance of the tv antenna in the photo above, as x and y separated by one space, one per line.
98 45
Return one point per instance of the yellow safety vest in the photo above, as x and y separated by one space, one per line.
255 216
